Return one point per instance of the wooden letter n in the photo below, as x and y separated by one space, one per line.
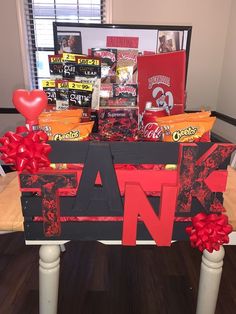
138 206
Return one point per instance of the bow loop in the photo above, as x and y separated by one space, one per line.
27 150
209 231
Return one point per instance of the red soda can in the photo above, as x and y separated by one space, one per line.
151 131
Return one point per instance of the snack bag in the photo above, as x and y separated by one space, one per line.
65 127
80 94
124 95
108 63
55 66
126 70
118 95
186 116
49 89
87 67
106 93
88 70
182 129
62 95
58 115
69 65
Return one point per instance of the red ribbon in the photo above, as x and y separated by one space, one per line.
209 231
26 150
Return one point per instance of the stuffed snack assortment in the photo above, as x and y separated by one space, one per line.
96 97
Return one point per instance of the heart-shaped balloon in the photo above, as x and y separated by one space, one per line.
30 104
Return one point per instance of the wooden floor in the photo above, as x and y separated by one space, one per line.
98 279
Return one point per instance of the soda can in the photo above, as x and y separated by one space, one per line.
151 131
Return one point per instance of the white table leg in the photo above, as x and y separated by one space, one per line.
49 266
63 248
211 269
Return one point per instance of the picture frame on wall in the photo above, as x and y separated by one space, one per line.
169 41
145 38
68 40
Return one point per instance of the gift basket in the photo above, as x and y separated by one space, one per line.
108 151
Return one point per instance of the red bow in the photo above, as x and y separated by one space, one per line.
25 149
209 231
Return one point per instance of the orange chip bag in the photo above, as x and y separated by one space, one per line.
76 113
65 127
186 131
185 116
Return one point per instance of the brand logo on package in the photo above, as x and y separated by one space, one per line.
164 98
106 54
125 89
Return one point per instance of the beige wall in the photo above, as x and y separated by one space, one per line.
11 70
226 98
209 19
226 101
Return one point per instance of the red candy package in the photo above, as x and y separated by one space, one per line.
161 79
118 124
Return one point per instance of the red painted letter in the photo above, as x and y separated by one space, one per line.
137 204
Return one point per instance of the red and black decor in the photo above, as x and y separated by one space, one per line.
119 192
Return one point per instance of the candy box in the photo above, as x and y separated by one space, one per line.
161 81
118 123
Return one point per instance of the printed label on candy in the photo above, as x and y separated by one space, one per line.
48 83
122 96
55 59
87 71
108 63
86 61
125 91
66 136
70 56
189 131
69 70
80 94
88 67
62 95
80 86
118 123
55 66
49 89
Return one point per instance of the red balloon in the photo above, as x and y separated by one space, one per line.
30 104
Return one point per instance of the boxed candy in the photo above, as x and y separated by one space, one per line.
118 123
161 79
118 95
